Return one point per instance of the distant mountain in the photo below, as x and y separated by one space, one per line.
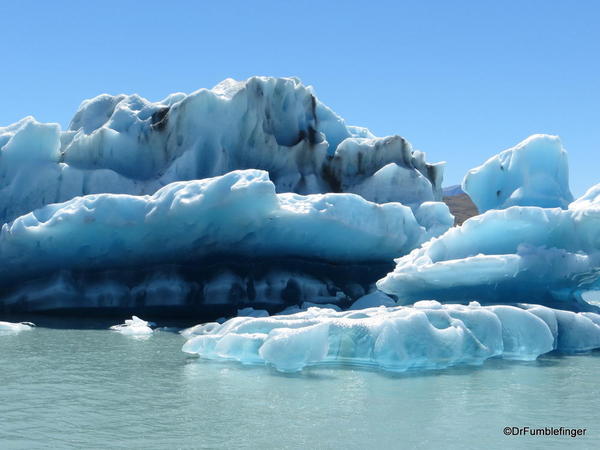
451 191
461 206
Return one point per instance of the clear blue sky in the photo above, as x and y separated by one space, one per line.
460 80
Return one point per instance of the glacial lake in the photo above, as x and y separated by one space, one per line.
93 388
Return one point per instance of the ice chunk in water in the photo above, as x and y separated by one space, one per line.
428 335
134 327
11 327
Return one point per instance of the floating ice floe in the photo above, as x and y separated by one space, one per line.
533 173
134 327
428 335
12 327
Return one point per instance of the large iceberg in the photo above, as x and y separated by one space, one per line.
110 213
549 256
426 336
126 144
229 240
533 173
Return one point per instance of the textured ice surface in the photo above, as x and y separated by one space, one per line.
133 327
233 217
533 173
11 327
106 215
428 335
521 254
126 144
238 213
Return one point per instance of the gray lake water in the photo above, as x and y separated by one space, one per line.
65 388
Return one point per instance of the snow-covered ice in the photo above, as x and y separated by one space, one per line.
134 327
533 173
428 335
520 254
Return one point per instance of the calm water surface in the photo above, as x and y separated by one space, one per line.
64 388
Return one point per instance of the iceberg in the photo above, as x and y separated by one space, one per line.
539 255
229 240
134 327
125 144
250 194
427 335
533 173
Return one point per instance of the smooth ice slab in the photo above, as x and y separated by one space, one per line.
428 335
521 254
134 327
533 173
